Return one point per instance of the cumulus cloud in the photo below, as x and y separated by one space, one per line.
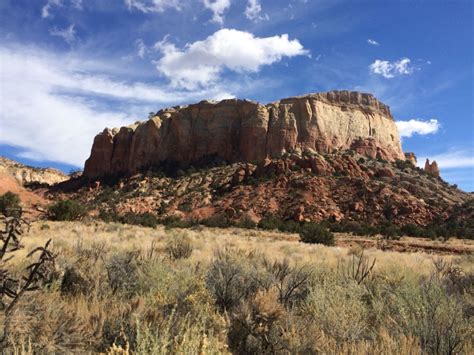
253 11
218 7
200 64
391 69
56 104
411 127
68 34
147 6
373 42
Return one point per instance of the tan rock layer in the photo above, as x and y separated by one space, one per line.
242 130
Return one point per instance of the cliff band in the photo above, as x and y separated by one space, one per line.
246 131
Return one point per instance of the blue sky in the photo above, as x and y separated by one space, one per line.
69 68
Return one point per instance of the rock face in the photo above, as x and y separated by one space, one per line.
246 131
411 157
432 168
26 175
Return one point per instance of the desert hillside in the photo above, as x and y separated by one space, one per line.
331 157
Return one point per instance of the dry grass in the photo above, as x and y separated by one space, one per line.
138 299
275 245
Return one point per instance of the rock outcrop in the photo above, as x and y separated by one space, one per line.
432 168
411 157
27 175
246 131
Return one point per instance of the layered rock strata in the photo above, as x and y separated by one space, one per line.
246 131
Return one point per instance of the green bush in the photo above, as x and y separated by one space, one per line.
389 231
272 222
315 233
217 221
10 204
246 223
142 219
176 222
66 210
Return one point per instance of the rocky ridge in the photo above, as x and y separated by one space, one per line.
300 186
27 175
246 131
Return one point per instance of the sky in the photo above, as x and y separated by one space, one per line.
70 68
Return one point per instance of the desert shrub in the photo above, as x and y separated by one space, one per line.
272 222
179 334
315 233
143 219
180 247
412 230
290 227
428 312
340 313
74 282
403 164
217 221
354 227
358 268
389 231
257 325
10 204
122 273
66 210
246 223
176 222
291 282
232 277
109 215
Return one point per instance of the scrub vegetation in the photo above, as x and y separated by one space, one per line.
125 289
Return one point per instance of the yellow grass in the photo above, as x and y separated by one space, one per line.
275 245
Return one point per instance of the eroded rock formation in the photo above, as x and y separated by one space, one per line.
432 168
411 157
27 175
246 131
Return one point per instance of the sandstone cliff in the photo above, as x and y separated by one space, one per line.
246 131
26 175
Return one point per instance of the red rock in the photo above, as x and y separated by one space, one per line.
384 172
411 157
242 130
432 168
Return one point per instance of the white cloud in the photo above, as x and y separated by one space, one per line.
411 127
451 160
218 7
77 4
54 104
147 6
141 48
391 69
200 64
68 34
373 42
45 10
253 11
